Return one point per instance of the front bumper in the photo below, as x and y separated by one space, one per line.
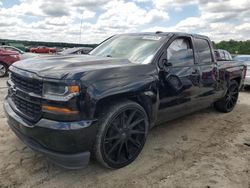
67 144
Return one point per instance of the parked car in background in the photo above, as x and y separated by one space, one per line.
7 58
77 50
222 55
23 55
103 104
43 49
12 48
246 60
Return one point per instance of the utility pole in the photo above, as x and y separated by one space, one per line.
80 37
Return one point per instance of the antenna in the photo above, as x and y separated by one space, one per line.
80 37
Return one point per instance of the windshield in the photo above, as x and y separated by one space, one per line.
242 58
138 49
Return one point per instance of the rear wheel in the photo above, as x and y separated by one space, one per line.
228 102
247 87
122 134
3 69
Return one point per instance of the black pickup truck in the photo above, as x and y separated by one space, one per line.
103 104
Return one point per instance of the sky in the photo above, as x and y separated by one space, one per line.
91 21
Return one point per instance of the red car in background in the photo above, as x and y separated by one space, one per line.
43 49
7 58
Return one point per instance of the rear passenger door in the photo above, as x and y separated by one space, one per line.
208 70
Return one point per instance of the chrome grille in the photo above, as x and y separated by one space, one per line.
27 84
31 110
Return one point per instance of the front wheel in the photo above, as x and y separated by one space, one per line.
122 134
228 102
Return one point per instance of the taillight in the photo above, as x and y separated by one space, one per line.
244 71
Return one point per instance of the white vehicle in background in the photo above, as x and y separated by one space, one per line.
246 60
76 50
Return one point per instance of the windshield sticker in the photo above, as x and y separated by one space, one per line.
151 37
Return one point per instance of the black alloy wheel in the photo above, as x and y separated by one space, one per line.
228 102
232 96
124 135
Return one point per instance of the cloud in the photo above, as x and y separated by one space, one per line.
60 20
156 15
89 3
55 9
219 19
88 14
167 4
121 15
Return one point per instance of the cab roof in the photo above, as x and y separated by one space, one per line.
168 34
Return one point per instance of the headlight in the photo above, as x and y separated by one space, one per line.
60 92
53 89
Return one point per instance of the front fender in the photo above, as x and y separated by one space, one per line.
142 89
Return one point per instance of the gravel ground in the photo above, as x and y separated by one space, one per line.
205 149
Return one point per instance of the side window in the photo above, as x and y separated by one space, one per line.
10 49
180 53
226 56
204 51
217 54
229 58
223 55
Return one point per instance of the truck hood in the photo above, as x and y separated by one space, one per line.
68 67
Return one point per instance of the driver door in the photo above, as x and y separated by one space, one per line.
179 80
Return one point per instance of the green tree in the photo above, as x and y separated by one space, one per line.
234 47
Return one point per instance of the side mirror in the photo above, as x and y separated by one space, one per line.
163 64
166 63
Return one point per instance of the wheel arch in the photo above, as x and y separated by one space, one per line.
237 79
235 73
4 63
144 99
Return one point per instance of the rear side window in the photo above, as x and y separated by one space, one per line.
228 55
203 50
223 55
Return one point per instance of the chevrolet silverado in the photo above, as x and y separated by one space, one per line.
103 105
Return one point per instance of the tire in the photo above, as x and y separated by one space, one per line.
228 102
247 87
3 70
122 134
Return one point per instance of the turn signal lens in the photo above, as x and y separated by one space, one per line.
74 89
59 109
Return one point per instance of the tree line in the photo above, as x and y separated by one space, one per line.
234 47
23 44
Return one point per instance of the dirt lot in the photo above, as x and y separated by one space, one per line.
206 149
